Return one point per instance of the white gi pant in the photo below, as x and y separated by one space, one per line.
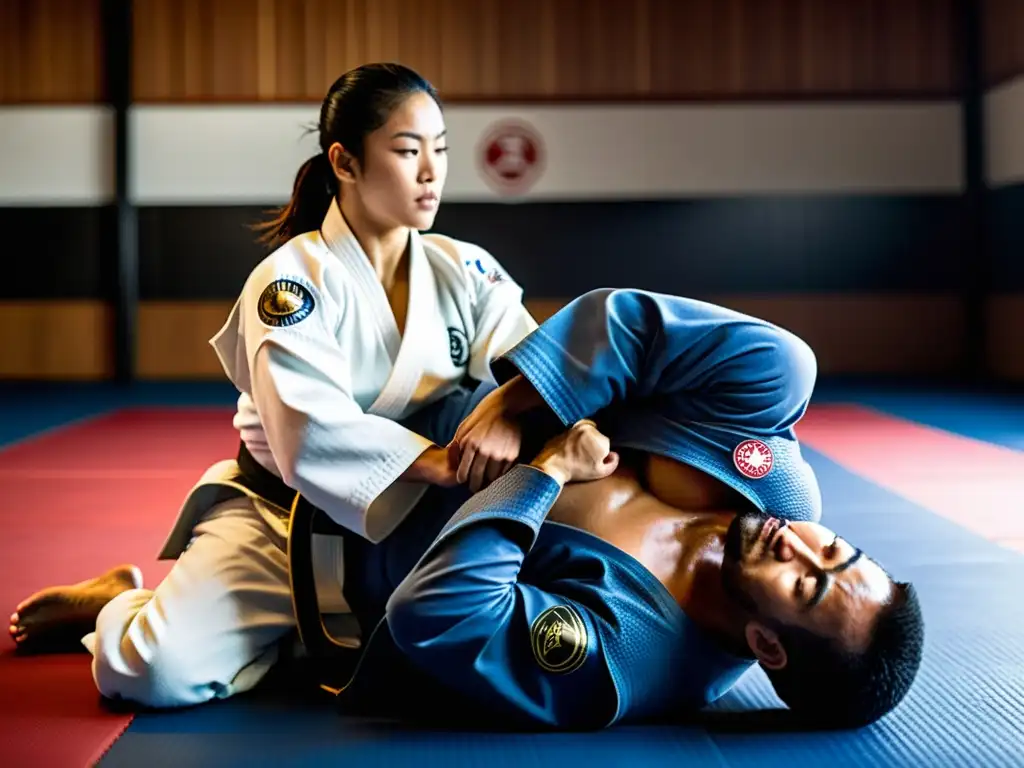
214 626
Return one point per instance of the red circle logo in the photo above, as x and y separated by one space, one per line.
511 157
753 459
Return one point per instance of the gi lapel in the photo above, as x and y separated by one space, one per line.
407 354
415 349
343 244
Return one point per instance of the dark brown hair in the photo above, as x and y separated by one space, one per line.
831 687
358 103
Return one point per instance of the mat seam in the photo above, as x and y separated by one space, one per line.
47 431
102 752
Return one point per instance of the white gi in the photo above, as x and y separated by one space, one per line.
323 372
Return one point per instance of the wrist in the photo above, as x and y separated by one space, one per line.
520 396
423 466
553 469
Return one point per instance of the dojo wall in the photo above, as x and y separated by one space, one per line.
800 160
1004 107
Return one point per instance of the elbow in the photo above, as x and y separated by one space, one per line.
286 459
288 467
797 365
791 367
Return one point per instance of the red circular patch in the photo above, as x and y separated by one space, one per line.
753 459
511 157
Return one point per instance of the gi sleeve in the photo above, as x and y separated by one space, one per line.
467 615
343 460
500 319
715 365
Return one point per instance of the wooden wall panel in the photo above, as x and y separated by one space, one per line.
56 340
863 333
1005 343
477 50
174 339
1003 24
51 51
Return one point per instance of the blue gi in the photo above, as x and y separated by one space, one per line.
540 623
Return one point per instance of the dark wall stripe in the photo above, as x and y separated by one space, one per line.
744 245
56 253
561 249
1004 213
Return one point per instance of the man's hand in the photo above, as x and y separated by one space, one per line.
487 442
432 467
581 453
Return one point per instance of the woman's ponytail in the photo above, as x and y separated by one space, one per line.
314 189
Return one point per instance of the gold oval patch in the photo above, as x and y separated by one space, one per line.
559 639
284 302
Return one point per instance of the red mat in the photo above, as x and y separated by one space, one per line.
968 481
77 502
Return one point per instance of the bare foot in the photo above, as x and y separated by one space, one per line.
57 618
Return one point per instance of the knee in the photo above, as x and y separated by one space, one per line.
142 663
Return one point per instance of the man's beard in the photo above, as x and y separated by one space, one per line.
740 538
742 535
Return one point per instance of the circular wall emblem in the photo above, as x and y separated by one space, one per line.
511 157
753 459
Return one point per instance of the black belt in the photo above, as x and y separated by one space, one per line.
262 481
305 520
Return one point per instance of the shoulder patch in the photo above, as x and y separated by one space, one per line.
753 459
458 347
285 302
559 640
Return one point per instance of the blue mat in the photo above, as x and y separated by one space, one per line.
967 707
32 409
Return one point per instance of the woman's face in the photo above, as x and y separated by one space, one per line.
405 165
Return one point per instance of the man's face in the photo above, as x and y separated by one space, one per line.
804 575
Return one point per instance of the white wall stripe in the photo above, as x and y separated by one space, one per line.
60 156
1004 129
249 154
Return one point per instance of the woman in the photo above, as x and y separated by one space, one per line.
354 323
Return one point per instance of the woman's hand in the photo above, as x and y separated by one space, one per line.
431 466
579 454
486 444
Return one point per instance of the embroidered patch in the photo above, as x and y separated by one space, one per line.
285 302
458 347
559 640
753 459
494 276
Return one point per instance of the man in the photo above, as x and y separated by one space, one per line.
588 587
